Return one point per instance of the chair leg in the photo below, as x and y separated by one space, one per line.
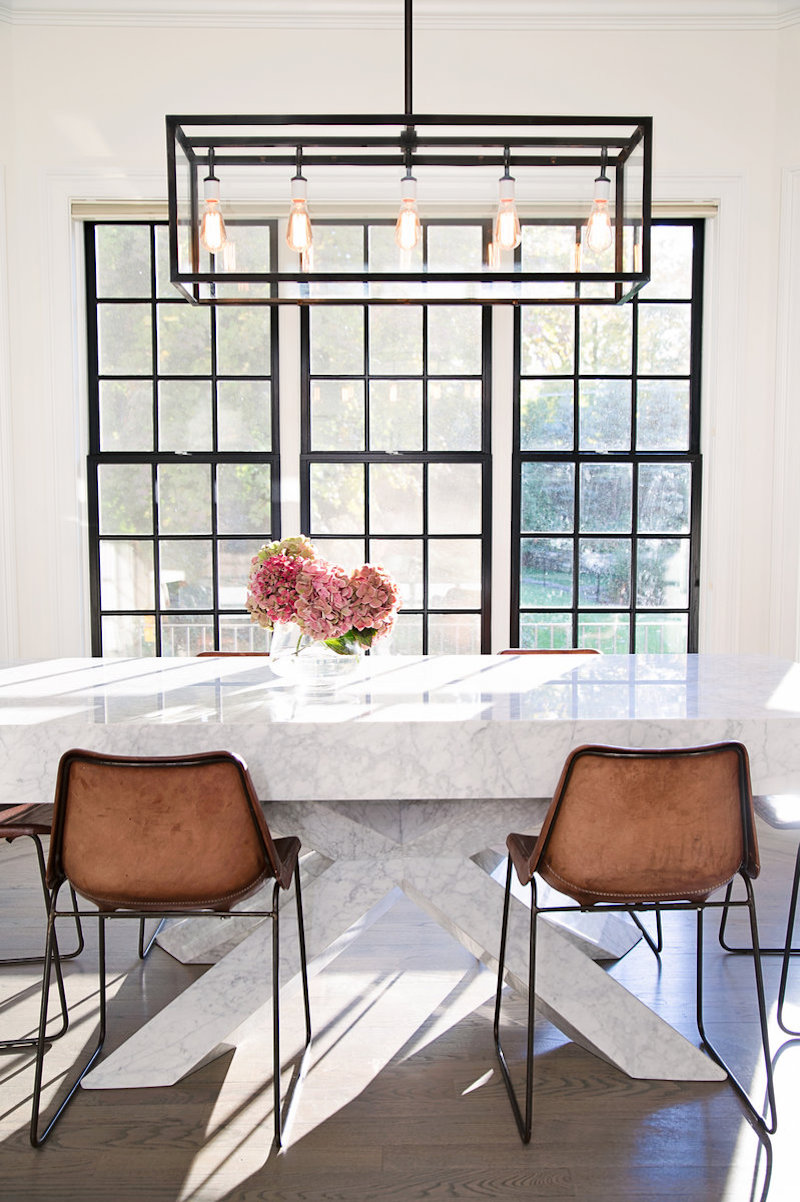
785 952
765 1126
301 931
657 945
748 951
7 1045
276 1027
723 922
78 929
524 1124
145 951
788 950
276 1046
42 877
37 1138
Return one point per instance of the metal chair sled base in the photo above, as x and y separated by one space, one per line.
524 1118
787 951
37 1136
10 1045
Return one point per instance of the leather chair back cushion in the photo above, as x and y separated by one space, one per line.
666 827
154 836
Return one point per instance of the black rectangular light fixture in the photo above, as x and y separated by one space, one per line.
230 175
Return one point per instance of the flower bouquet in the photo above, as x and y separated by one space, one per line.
290 583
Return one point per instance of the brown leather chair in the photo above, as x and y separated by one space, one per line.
550 651
781 811
647 831
174 836
33 822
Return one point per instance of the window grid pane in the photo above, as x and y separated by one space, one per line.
606 461
183 463
395 468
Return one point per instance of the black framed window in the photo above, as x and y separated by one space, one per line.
183 481
606 473
395 438
394 428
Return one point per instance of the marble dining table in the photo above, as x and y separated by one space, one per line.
407 776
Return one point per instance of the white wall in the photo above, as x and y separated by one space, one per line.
786 546
8 616
89 105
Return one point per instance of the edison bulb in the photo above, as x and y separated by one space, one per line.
507 232
599 231
298 229
407 228
212 228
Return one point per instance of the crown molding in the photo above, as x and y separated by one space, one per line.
431 14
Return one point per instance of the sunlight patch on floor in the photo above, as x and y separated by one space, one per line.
381 999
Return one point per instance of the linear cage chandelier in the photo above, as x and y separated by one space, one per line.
404 183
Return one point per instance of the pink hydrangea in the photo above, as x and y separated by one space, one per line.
296 547
324 607
375 599
288 583
272 589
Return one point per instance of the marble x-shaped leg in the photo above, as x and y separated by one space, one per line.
436 852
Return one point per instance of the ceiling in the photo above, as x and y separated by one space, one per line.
507 14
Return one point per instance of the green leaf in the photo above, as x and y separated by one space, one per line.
350 642
342 644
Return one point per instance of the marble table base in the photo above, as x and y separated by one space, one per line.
447 857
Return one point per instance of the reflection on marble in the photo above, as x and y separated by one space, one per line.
404 727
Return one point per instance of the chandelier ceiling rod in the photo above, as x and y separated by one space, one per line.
408 58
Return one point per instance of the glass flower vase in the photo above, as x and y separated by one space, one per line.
308 663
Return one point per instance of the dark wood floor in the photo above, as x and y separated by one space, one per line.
402 1099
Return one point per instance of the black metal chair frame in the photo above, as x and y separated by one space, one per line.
525 1122
656 945
31 1042
786 951
10 1045
37 1138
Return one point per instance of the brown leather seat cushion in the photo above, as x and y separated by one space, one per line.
25 820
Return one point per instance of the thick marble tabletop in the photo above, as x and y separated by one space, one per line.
404 727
